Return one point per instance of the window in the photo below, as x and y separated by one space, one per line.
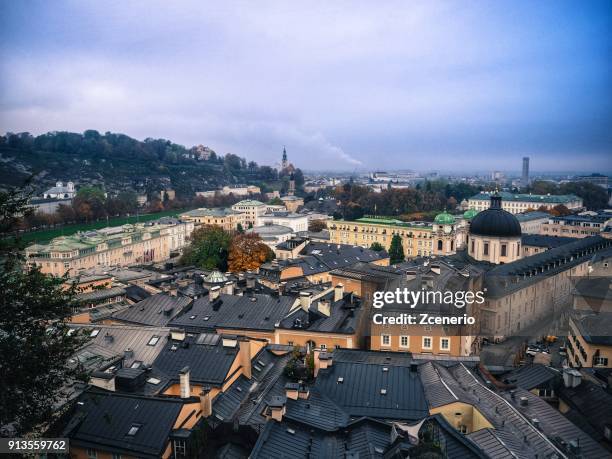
180 448
133 430
472 245
600 361
116 456
290 343
445 344
153 341
504 249
463 429
427 342
323 347
92 453
485 249
404 341
385 340
545 392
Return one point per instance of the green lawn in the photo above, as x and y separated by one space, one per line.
47 235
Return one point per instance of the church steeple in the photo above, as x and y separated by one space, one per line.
284 163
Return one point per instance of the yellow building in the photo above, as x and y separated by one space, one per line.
589 343
442 237
227 219
107 247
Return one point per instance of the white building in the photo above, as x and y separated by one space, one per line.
516 203
297 222
252 210
272 235
59 191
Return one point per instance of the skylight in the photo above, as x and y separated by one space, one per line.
153 341
134 430
94 332
154 381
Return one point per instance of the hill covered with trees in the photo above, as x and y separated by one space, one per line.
119 162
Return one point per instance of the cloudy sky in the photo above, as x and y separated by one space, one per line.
452 85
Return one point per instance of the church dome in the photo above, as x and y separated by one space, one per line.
215 277
470 213
495 221
444 219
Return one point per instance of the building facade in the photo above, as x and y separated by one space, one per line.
227 219
418 239
252 210
516 203
109 247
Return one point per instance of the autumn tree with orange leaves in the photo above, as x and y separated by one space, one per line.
248 252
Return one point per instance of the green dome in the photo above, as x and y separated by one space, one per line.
444 219
470 213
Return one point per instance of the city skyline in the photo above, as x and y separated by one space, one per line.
424 86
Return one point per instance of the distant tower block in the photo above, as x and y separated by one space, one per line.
525 177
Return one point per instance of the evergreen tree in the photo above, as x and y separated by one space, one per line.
209 248
396 250
377 247
35 343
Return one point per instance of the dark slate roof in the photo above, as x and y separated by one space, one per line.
254 312
369 272
595 328
266 368
539 240
340 255
209 362
364 438
529 216
344 316
103 419
156 310
510 277
556 426
490 441
359 393
136 293
100 294
591 406
532 376
370 357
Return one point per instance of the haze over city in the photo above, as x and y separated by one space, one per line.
347 86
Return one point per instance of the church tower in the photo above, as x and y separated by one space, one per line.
284 163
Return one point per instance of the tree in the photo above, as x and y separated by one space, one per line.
34 341
593 196
560 211
208 249
316 226
377 247
247 252
239 228
396 250
276 201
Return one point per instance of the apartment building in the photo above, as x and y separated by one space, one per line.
582 225
252 210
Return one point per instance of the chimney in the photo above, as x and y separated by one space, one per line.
229 288
205 401
338 292
177 335
173 290
292 390
571 377
523 401
435 268
322 360
250 282
324 308
305 300
213 293
184 380
128 353
277 406
103 380
244 353
410 275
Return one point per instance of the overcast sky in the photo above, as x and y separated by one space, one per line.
451 86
